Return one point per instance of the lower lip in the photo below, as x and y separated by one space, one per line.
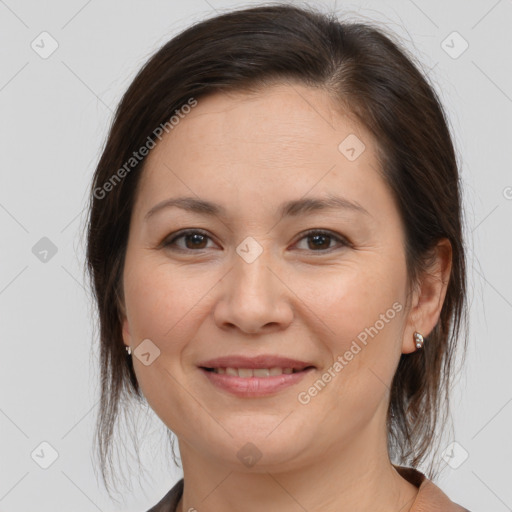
255 386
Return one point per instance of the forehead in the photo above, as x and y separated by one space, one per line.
277 122
280 141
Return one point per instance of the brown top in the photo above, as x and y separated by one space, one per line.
429 498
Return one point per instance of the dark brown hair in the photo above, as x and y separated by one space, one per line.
361 68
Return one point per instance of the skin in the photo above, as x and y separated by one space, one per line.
251 153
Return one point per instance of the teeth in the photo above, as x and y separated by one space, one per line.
256 372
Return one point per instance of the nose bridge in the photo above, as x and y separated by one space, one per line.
252 279
253 295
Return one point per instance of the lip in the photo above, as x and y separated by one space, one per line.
261 361
255 386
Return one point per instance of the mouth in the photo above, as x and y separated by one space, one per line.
246 373
256 376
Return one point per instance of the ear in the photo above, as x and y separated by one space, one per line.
127 338
428 296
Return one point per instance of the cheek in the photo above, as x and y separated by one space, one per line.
163 305
353 300
363 311
162 301
364 315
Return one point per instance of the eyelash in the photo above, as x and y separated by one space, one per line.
313 232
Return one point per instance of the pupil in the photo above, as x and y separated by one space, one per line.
196 238
319 238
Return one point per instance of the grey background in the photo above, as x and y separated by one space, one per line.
55 113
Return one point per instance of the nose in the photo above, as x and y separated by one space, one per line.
254 297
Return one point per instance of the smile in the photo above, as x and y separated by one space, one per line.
256 372
252 385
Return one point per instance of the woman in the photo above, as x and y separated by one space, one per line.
275 247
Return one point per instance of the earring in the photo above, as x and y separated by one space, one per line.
129 350
418 340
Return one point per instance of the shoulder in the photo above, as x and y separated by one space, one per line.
430 497
170 501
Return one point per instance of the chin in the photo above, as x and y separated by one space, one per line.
261 443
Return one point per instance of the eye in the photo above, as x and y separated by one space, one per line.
321 240
194 239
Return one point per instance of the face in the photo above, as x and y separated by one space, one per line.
275 314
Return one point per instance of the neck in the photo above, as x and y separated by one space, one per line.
355 477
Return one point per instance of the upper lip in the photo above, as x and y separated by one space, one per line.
260 361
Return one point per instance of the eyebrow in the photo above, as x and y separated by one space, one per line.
292 208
